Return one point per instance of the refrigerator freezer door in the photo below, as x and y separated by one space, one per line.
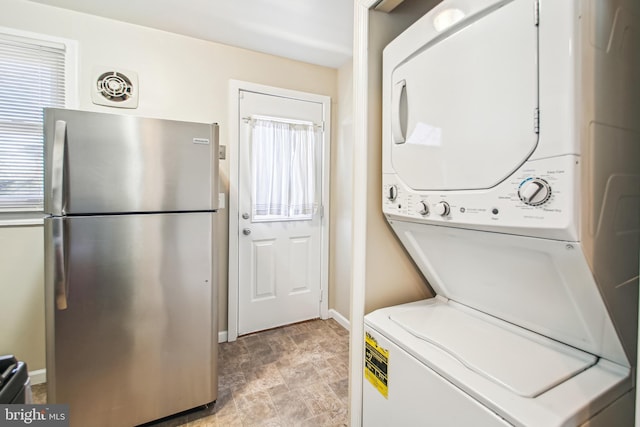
115 164
138 338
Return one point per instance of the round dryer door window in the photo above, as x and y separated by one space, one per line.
464 104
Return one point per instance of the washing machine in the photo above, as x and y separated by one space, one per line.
511 175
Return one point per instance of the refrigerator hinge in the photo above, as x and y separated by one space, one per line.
536 120
323 126
536 12
321 211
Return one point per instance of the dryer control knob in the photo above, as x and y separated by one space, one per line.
442 208
393 193
534 191
422 208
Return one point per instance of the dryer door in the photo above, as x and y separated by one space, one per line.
464 104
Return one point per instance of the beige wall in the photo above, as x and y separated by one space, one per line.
22 294
180 78
342 196
391 276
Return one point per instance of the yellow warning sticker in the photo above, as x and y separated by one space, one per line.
376 364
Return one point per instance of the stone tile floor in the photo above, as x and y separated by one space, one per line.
296 375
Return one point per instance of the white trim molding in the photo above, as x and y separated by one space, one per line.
359 213
38 376
342 321
21 222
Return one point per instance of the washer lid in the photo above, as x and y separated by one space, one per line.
523 362
464 102
541 285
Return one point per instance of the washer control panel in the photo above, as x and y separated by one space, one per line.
538 196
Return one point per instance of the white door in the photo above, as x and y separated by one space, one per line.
279 208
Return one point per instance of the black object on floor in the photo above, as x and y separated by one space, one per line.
14 380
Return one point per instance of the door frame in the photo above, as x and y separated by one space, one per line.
233 151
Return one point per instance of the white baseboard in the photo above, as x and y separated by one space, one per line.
343 321
223 336
38 377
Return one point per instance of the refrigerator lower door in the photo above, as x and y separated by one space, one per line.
132 322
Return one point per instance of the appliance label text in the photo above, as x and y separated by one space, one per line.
376 364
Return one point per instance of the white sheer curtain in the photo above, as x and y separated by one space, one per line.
283 167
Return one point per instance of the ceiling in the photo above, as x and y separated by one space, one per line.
315 31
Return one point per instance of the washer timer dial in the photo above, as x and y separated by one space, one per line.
442 208
422 208
534 191
392 193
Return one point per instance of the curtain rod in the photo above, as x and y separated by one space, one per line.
280 120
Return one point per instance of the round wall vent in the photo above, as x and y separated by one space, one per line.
115 88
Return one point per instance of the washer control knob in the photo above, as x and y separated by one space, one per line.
393 193
534 191
442 208
422 208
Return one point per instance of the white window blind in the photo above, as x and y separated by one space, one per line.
32 76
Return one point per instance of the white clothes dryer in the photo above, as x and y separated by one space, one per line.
511 174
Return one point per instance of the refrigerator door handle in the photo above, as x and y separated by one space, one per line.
60 278
57 168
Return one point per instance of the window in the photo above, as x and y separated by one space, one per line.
32 76
284 169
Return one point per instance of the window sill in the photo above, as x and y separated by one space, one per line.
21 220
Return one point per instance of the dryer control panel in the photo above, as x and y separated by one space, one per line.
537 200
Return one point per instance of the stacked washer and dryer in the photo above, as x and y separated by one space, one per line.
511 174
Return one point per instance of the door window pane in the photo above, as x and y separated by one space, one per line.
284 170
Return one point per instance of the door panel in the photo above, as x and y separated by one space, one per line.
279 261
465 104
140 302
264 256
299 256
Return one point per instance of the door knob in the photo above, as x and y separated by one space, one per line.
246 231
245 216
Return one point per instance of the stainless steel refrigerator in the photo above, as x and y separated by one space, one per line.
130 279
